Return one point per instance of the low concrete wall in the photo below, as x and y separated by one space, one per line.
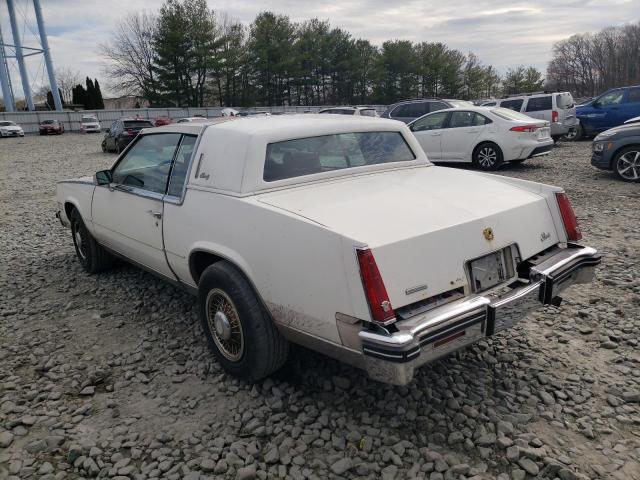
29 121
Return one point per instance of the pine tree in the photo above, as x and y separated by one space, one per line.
98 95
90 98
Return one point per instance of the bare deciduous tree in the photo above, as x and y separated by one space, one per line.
130 56
67 79
588 64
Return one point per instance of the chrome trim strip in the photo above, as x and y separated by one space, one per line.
571 253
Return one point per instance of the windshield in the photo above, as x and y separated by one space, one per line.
137 124
47 122
368 112
508 114
89 119
7 124
306 156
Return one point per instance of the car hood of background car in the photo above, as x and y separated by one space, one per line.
632 129
11 128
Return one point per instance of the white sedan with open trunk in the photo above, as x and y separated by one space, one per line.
486 137
333 232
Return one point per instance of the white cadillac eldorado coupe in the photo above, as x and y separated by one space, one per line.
331 232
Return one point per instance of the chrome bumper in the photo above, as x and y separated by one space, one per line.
391 357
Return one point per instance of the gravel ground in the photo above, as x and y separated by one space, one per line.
109 375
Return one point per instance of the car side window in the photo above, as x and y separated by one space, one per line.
148 162
634 95
537 104
461 119
611 98
181 165
479 120
515 105
430 122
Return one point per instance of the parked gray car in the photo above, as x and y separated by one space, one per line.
618 149
411 109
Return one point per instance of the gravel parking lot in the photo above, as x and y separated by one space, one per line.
109 376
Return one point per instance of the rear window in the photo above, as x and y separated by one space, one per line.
508 114
411 110
306 156
514 105
48 122
137 124
564 100
538 104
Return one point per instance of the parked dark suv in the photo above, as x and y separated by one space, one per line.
412 109
618 149
122 132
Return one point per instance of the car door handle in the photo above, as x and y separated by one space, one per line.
157 215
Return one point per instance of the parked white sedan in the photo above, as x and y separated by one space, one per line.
329 231
485 136
10 129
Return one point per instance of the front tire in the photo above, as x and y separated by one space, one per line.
91 255
626 164
239 331
487 156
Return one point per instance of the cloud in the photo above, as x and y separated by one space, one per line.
504 34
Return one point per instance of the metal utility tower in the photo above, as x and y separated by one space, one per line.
19 55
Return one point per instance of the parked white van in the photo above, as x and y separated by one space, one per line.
557 108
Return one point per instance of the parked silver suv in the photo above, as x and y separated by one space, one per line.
557 108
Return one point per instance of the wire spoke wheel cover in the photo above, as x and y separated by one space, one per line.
224 325
487 157
628 165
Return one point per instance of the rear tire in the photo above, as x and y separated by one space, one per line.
118 148
626 164
487 156
104 146
239 331
91 255
576 135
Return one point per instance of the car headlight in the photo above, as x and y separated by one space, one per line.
598 146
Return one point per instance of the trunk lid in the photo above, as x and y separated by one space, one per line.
423 224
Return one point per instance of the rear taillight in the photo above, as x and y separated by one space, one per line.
374 289
524 128
554 117
568 217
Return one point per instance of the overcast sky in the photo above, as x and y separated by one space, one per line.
503 33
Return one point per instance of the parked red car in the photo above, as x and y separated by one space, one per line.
48 127
160 121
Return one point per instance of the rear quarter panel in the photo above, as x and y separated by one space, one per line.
303 272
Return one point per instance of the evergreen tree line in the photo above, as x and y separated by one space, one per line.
187 55
588 64
88 95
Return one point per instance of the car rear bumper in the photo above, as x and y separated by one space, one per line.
393 357
542 150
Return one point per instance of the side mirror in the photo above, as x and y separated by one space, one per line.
103 177
595 104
